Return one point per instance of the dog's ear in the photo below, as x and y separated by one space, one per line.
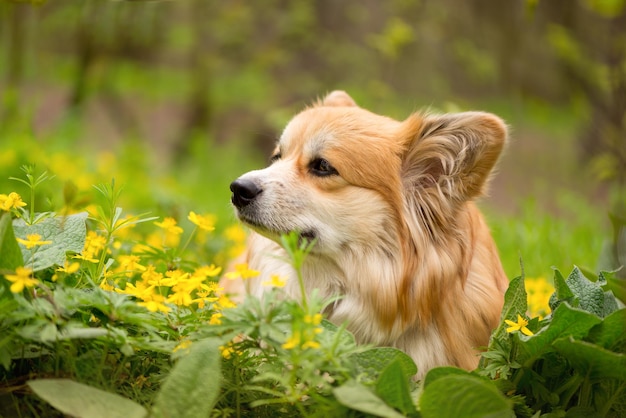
337 98
451 155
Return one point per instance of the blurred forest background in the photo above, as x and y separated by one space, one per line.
201 89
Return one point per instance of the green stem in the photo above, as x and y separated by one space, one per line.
585 393
570 388
604 410
305 303
184 247
32 202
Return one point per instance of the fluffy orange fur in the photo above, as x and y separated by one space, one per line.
398 236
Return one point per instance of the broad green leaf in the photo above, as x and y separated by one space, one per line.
611 332
614 284
515 303
610 304
75 399
590 294
466 396
358 397
592 361
346 338
67 233
566 322
193 385
439 372
10 254
373 361
562 292
393 387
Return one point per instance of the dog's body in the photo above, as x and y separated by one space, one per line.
398 237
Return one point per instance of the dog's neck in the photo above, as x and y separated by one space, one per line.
354 279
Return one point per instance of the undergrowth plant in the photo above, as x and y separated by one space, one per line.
105 314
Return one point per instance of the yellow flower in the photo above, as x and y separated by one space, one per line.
152 277
203 297
215 318
105 285
293 341
237 236
310 344
313 319
539 291
520 325
130 264
94 243
242 271
224 303
275 281
32 240
204 222
235 233
11 201
180 298
227 351
68 267
183 345
21 279
174 277
139 290
169 225
154 302
207 271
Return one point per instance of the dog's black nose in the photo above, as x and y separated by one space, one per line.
244 192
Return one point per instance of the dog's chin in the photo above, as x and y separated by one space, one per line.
274 233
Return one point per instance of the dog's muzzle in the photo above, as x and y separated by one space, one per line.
244 192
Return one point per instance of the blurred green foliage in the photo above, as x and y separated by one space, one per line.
174 99
165 71
177 98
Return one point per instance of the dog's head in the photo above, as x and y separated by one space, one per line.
347 177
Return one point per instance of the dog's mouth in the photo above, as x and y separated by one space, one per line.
275 233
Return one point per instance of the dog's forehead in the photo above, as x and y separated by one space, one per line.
317 129
305 133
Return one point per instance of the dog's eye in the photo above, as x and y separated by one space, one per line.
321 167
275 157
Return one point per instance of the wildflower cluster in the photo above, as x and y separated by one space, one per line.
153 272
303 336
134 303
11 201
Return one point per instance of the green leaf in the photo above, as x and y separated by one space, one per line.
371 362
393 387
566 322
439 372
467 396
67 233
10 254
592 361
611 332
562 292
346 338
590 294
193 385
75 399
358 397
614 284
515 303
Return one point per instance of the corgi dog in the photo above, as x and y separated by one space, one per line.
398 239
